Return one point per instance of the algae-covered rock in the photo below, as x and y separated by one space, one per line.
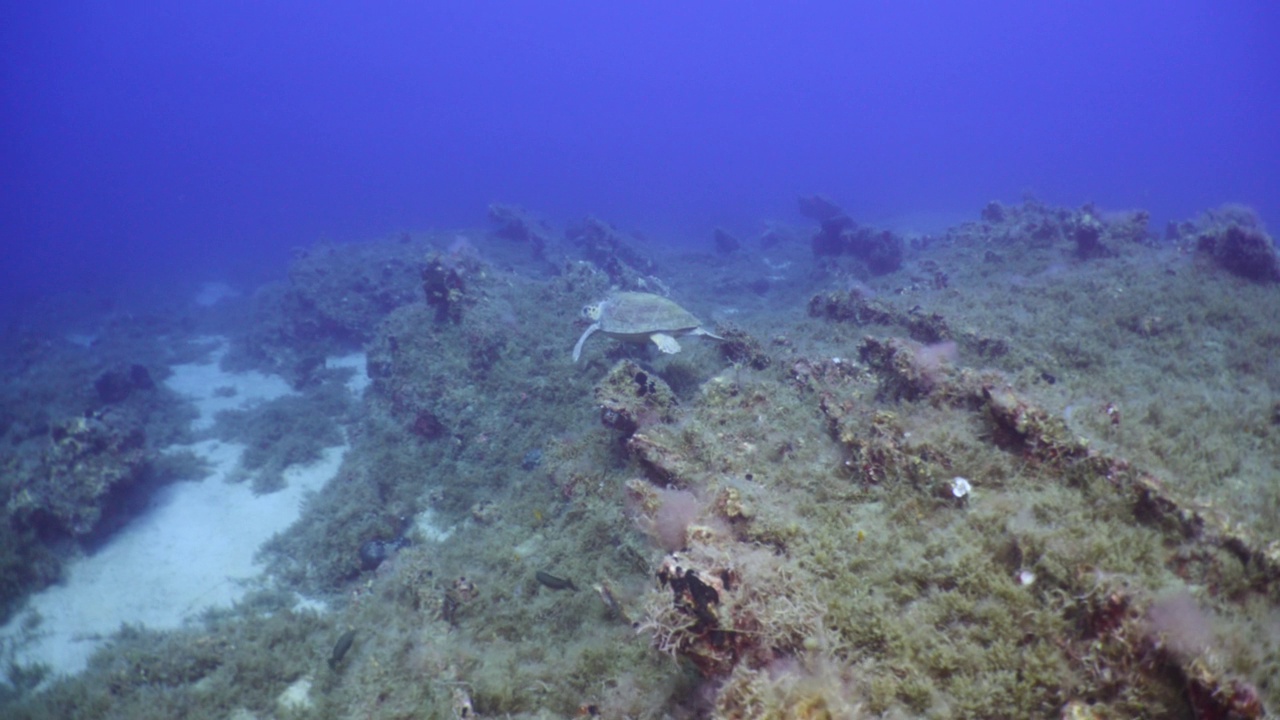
515 224
853 306
631 397
882 251
614 253
1019 425
1245 251
446 283
1086 231
334 298
742 348
907 369
818 207
86 460
116 385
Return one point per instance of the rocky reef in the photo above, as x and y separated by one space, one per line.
1019 470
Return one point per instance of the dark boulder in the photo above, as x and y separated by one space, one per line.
1245 251
726 243
115 386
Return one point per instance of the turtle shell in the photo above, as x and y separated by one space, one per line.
635 313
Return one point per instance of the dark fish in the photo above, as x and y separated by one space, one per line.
340 649
556 583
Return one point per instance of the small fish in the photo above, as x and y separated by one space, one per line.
555 583
340 648
611 604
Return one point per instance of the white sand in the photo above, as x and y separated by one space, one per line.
358 362
193 550
213 390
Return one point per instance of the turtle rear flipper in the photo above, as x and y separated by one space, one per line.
665 342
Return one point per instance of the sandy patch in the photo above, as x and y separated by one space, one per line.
193 550
214 390
358 362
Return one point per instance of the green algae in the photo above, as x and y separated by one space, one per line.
289 430
853 581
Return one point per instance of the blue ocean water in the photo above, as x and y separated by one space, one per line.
146 144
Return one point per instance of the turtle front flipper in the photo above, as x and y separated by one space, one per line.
705 333
577 349
665 343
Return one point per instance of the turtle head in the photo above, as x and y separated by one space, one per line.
593 311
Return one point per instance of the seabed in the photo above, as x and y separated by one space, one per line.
1028 466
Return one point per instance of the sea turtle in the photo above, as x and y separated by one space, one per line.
640 317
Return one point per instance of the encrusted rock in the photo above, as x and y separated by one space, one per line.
87 462
515 224
631 397
1245 251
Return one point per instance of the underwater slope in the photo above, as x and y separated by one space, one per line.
1023 468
